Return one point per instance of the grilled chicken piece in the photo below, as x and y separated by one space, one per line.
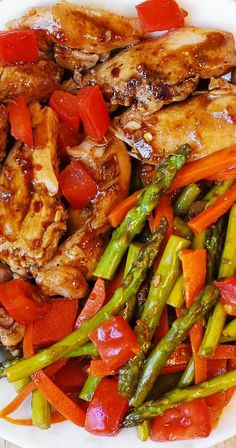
3 131
74 27
11 333
68 271
164 70
32 219
35 81
205 121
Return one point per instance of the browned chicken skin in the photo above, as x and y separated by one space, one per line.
205 121
35 81
32 219
73 264
91 32
160 71
3 131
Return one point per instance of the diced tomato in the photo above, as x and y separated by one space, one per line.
99 368
218 401
180 355
185 421
159 15
18 46
173 369
66 106
106 410
23 301
163 326
67 138
94 302
76 184
71 377
93 112
227 289
20 121
115 342
56 324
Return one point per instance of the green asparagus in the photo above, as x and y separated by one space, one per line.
135 219
133 254
182 229
79 337
213 244
143 430
176 297
228 261
89 387
230 329
41 410
175 336
186 198
177 396
188 376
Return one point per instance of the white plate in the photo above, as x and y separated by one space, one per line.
208 13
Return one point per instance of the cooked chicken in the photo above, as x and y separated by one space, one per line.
68 271
3 131
34 81
32 219
205 121
74 27
164 70
5 273
11 333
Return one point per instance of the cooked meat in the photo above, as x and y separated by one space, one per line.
94 31
205 121
32 219
3 131
5 273
11 333
72 59
164 70
74 262
34 81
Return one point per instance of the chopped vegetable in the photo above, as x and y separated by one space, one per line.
76 184
94 303
117 215
98 368
66 106
20 120
56 324
106 410
18 46
93 112
185 421
23 301
165 209
159 15
115 342
227 289
71 377
67 138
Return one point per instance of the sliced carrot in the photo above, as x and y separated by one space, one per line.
94 302
55 418
194 273
18 400
163 209
224 352
119 212
98 368
206 167
28 348
214 212
173 369
58 399
224 175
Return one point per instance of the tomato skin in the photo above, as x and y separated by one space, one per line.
185 421
78 187
115 342
56 324
23 301
67 138
106 410
160 15
66 106
20 121
18 46
93 112
71 377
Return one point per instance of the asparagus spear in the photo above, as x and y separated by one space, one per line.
230 329
41 410
188 376
182 229
135 219
79 337
175 336
89 387
177 396
88 349
163 281
186 198
228 261
164 384
176 297
133 254
143 430
213 244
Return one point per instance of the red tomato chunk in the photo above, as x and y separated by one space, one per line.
67 138
115 342
93 112
23 301
106 410
78 187
18 46
185 421
66 106
160 15
20 121
56 324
